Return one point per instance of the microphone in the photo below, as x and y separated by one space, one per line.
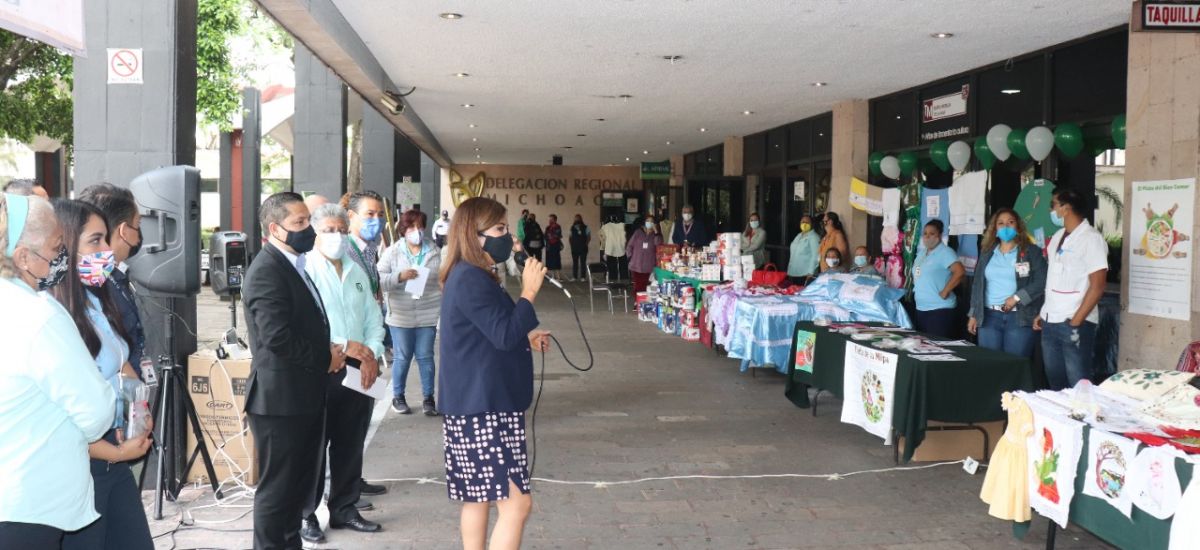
520 256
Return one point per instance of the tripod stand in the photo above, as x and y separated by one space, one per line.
172 387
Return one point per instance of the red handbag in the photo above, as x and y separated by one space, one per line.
769 275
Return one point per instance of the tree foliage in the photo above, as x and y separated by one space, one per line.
216 78
35 89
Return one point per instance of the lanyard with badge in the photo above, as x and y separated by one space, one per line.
1021 266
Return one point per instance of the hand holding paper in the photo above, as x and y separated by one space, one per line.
416 286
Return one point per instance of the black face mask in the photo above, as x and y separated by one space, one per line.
301 241
134 248
499 248
58 269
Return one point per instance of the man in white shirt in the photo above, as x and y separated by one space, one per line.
1078 266
441 228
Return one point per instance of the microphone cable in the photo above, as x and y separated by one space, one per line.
542 375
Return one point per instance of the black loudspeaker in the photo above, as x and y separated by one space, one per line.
557 160
169 261
227 262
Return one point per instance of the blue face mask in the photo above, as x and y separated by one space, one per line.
860 261
370 229
1007 234
1055 218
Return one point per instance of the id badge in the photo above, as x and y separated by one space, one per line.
645 246
917 271
1022 269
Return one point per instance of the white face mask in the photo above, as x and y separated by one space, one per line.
413 237
687 217
832 262
332 245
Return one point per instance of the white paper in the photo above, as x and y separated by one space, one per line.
416 287
869 387
353 381
951 343
938 357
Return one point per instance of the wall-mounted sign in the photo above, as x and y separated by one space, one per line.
124 65
944 111
656 170
1171 16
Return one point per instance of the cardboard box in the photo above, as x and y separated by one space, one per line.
945 445
218 392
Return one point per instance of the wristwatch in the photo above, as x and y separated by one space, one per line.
1016 298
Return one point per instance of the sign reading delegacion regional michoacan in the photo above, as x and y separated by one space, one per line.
1171 16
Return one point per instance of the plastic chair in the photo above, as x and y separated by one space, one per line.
593 287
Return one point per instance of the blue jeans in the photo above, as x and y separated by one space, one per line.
1000 331
407 343
1067 353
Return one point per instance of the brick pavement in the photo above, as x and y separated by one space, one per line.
656 406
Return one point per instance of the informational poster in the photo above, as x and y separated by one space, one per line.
798 190
1160 248
869 385
407 194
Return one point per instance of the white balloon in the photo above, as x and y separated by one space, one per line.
959 154
890 167
997 140
1039 141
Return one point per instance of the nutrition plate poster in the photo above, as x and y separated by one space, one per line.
1160 248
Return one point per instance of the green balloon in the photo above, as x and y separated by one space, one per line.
1016 143
937 153
873 163
1069 139
1118 131
984 153
908 163
1097 146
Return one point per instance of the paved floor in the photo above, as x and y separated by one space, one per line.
656 406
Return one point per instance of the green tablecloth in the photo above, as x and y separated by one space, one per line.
946 391
661 274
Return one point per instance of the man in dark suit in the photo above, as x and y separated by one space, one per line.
285 395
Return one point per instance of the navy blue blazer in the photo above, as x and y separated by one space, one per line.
122 296
486 362
698 235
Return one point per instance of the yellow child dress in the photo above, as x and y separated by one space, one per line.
1006 484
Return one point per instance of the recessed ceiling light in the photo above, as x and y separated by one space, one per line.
567 147
476 148
897 117
820 134
673 58
450 15
1010 91
468 105
474 139
747 113
462 75
471 125
942 35
580 135
820 84
478 157
624 97
668 142
599 119
626 159
645 152
704 129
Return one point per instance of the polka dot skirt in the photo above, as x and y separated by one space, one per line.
483 452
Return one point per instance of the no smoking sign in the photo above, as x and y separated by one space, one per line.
124 65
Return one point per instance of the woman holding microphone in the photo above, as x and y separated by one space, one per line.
486 385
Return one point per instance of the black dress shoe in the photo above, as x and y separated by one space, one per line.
311 531
357 523
370 489
363 504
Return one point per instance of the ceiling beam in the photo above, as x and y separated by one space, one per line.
321 28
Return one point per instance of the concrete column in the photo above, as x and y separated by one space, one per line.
851 146
123 130
732 161
431 188
378 153
319 156
1162 129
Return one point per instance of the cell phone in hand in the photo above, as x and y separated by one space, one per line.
353 362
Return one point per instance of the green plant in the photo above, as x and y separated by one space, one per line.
35 90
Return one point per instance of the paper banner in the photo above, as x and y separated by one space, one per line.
806 343
1152 483
1053 457
891 207
866 197
869 386
1109 460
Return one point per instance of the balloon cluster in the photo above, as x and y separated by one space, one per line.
1000 143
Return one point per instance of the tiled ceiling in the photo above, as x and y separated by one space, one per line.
541 72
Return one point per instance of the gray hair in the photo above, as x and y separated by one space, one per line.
330 210
38 225
20 187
